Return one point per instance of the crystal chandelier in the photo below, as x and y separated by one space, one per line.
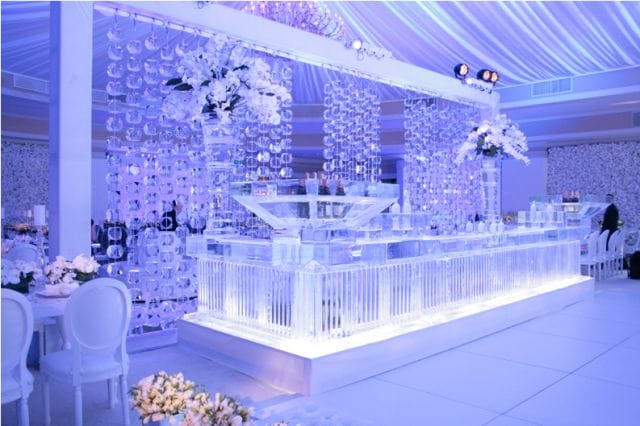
306 15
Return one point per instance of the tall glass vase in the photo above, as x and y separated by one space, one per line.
220 147
490 170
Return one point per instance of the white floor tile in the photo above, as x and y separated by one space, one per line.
214 377
543 350
579 327
509 421
387 404
577 400
620 365
617 295
604 308
467 386
632 342
172 359
308 413
621 285
479 380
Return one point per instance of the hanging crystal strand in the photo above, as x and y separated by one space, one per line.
331 162
142 140
115 125
351 103
263 156
448 194
352 131
281 162
372 135
247 223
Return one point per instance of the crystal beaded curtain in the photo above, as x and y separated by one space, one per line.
156 165
264 152
153 164
266 149
434 128
352 131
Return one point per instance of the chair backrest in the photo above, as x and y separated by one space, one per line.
613 240
96 318
602 242
592 243
620 244
25 251
17 330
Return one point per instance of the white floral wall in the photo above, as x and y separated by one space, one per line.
25 176
599 169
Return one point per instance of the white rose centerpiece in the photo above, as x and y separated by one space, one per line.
64 275
18 274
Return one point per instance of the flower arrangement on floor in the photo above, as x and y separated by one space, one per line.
220 79
66 275
18 274
163 397
493 137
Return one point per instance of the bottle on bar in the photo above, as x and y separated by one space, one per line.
338 208
324 208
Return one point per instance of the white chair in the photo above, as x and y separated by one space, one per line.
589 259
601 255
96 320
17 330
25 251
612 244
619 252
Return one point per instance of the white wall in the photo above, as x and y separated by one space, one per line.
98 187
521 181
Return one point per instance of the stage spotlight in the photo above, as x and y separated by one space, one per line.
461 71
356 44
494 77
484 75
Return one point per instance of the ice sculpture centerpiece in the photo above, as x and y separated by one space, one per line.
280 205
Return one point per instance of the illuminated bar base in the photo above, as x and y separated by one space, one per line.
317 326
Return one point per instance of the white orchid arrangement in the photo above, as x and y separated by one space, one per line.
19 272
219 79
62 271
493 137
161 396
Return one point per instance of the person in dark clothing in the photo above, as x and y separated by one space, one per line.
610 219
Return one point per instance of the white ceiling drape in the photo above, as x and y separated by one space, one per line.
524 41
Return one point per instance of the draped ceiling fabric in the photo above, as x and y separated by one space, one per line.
524 41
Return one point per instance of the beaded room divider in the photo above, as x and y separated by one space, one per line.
352 131
266 149
448 194
157 181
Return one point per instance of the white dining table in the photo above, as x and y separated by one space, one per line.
47 317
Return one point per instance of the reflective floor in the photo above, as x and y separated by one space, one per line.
578 366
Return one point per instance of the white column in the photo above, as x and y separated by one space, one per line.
71 44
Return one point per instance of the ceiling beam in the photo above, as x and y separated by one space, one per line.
265 35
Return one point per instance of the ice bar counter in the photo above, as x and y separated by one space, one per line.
336 267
